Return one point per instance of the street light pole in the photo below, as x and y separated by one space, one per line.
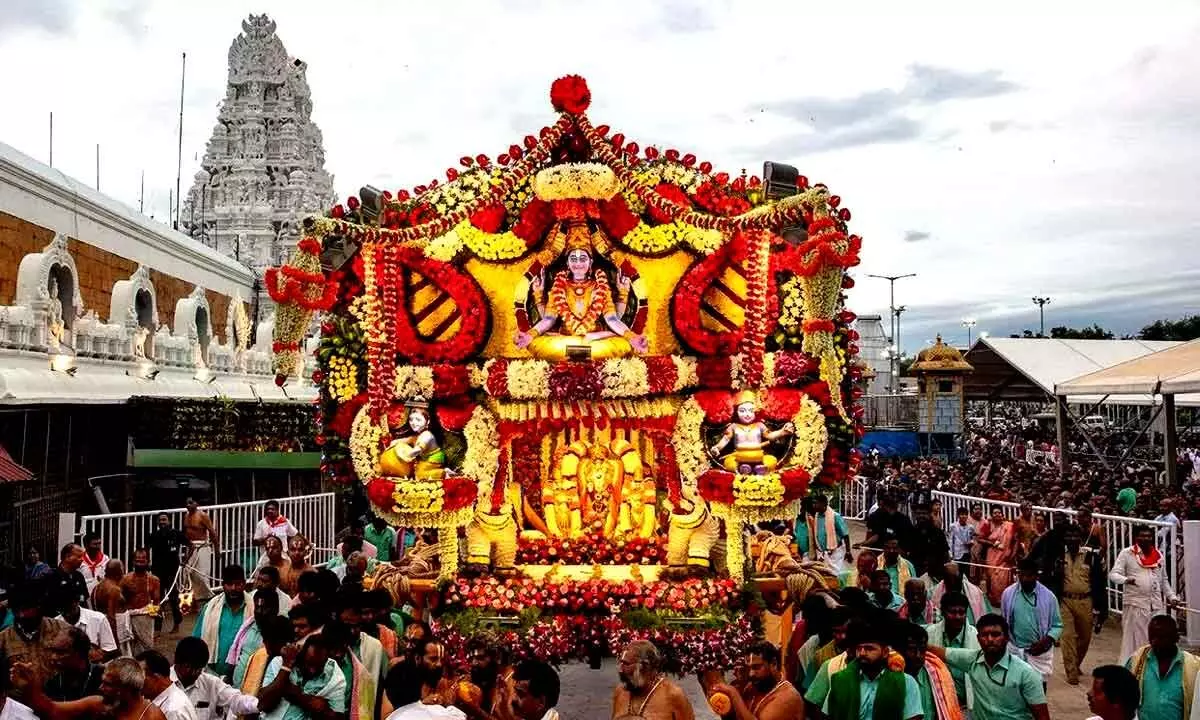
1041 302
968 323
893 317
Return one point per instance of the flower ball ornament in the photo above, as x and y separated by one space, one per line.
570 94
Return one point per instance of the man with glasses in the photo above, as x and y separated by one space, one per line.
1000 686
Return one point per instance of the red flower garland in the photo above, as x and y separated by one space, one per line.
754 328
450 380
570 94
689 295
464 292
454 416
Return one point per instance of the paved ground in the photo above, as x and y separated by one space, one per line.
587 694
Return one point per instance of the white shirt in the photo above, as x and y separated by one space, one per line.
212 696
175 704
283 530
421 711
1151 590
95 626
14 710
93 573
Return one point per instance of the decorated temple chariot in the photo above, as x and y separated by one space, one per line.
585 370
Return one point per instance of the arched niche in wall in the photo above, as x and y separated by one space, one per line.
134 306
48 282
193 321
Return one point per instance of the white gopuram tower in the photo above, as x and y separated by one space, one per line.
264 166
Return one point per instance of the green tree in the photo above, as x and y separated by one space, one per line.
1183 329
1095 332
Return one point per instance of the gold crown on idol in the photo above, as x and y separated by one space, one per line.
575 181
574 235
417 402
746 396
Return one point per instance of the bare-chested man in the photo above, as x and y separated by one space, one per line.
107 598
141 590
299 552
644 691
120 695
774 698
204 544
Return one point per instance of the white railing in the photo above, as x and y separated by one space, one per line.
313 515
1118 531
854 499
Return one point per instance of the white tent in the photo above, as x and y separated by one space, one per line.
1172 371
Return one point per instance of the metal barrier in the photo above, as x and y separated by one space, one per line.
854 499
313 515
1118 531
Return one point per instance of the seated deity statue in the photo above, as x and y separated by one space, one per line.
600 476
580 310
750 437
560 494
416 455
638 511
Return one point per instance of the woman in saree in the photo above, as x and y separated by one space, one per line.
997 537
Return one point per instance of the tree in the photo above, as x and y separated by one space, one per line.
1184 329
1095 332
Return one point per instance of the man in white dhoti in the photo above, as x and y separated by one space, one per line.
823 535
1142 570
202 544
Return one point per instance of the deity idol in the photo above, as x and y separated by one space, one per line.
750 437
421 448
581 306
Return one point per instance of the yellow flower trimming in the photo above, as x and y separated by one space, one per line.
812 437
414 381
490 246
482 456
690 455
791 307
624 377
569 181
445 247
364 445
342 381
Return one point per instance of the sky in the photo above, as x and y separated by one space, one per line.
1051 150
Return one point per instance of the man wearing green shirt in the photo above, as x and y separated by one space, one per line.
999 685
222 617
938 698
882 594
899 569
866 689
383 537
954 632
1033 617
1167 675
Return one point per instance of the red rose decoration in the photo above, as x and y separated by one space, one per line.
379 491
489 219
570 94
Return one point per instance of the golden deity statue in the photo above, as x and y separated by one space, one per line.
416 455
750 437
638 511
598 488
579 310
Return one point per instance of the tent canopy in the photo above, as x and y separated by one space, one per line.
1173 371
1029 369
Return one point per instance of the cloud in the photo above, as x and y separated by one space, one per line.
684 17
55 17
913 236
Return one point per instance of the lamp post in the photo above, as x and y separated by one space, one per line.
894 316
1041 302
968 323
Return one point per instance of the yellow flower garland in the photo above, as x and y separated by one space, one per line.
651 240
413 381
791 310
343 379
573 181
364 445
482 457
757 490
446 247
812 437
491 246
419 496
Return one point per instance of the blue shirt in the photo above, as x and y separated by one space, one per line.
961 537
329 685
250 644
801 534
968 638
1025 629
893 572
866 697
1162 696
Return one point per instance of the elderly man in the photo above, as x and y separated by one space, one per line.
162 690
303 683
644 692
535 691
210 695
774 697
1141 569
120 695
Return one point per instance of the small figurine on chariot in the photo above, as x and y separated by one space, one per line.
581 306
418 451
750 437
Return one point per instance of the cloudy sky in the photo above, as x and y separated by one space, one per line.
1051 150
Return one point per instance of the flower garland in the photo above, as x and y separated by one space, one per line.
812 437
371 322
689 295
481 461
299 289
468 299
414 381
757 311
514 595
365 438
592 549
659 239
495 247
342 379
575 181
688 442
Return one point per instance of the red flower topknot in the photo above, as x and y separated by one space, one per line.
570 94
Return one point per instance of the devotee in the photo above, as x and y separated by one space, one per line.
881 592
916 606
383 537
928 541
368 660
535 691
415 636
1024 530
404 686
1166 674
94 561
1147 592
120 695
142 593
303 683
887 522
273 523
165 544
273 556
310 588
956 581
299 553
488 673
307 619
898 568
822 534
222 617
867 687
962 537
644 692
92 623
249 636
277 631
838 622
210 695
812 631
1034 622
11 708
35 569
203 545
1115 694
67 574
377 621
32 634
110 600
774 698
267 581
860 575
953 631
161 690
438 687
997 539
75 674
1003 686
939 697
